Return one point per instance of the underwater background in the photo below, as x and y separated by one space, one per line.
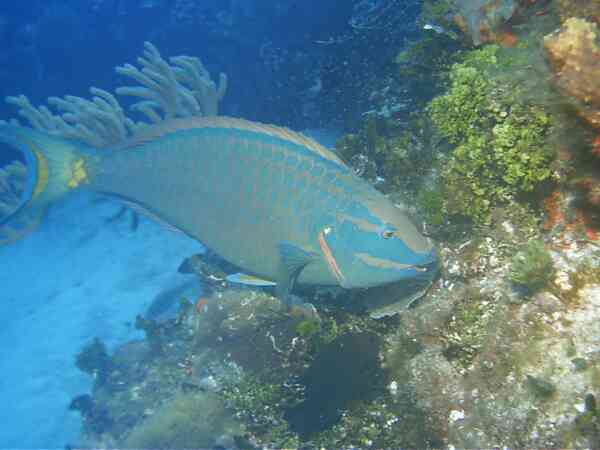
479 118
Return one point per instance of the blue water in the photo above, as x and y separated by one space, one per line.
75 278
79 276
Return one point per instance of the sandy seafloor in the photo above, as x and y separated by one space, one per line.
76 277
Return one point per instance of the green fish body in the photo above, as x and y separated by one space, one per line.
271 201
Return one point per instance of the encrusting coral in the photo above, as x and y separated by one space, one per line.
180 89
491 21
578 8
574 55
482 19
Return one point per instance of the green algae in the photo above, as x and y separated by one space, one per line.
501 138
532 267
431 204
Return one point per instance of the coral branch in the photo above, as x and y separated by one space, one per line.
182 89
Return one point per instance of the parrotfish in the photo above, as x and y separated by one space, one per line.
270 201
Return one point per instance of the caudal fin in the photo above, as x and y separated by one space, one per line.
54 166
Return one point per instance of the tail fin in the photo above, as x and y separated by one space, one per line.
54 167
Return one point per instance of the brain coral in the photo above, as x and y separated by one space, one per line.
574 55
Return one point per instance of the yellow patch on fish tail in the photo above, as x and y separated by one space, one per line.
78 174
42 173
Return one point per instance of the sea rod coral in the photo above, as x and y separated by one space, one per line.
180 89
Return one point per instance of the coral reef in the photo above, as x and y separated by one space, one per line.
503 349
179 90
275 372
495 368
475 356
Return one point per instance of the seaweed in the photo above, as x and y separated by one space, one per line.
532 267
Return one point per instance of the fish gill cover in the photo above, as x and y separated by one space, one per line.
478 117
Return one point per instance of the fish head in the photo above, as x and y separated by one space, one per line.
375 245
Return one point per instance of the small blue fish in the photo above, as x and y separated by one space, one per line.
438 29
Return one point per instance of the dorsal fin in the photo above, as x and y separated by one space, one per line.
159 130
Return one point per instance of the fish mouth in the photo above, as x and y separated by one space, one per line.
427 269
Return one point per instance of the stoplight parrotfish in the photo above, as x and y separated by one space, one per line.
267 199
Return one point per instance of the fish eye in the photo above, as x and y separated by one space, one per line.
386 234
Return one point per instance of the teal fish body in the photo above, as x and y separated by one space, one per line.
268 200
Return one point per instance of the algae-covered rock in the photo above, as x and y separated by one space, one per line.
93 359
528 381
191 420
328 394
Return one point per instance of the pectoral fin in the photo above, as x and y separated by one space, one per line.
292 260
248 280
